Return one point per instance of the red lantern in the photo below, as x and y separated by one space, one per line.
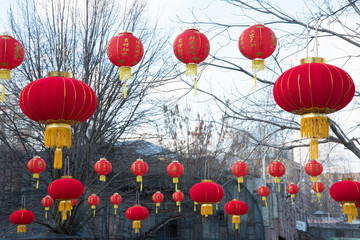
125 51
58 101
22 218
175 170
206 193
312 90
277 169
314 169
191 47
157 197
11 55
103 168
240 169
293 189
236 208
116 200
264 191
318 187
347 192
178 196
47 202
65 189
36 165
139 168
93 200
137 214
257 43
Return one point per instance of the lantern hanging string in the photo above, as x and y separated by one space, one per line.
137 197
23 202
307 39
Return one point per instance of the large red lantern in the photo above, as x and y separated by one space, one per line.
236 208
125 51
116 200
257 43
292 189
58 101
277 169
318 187
93 200
264 191
22 218
314 169
157 198
103 168
312 90
11 55
65 189
36 165
178 196
47 202
347 192
137 214
240 169
191 47
175 170
206 193
139 168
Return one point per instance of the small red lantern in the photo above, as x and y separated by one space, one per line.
312 90
22 218
58 101
240 169
277 169
65 189
11 55
125 51
264 191
178 196
191 47
293 189
175 170
257 43
137 214
36 165
103 168
236 208
318 187
116 200
157 197
347 192
314 169
47 202
139 168
206 193
93 200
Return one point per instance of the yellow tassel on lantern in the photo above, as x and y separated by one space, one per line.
58 135
255 79
292 198
178 204
137 226
21 228
115 207
258 64
64 207
191 70
3 92
277 180
139 179
157 205
206 209
36 176
125 74
236 219
319 196
314 149
102 178
195 86
264 199
350 210
5 74
195 203
176 180
314 125
313 179
58 158
240 180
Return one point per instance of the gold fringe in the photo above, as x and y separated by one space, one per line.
21 228
278 187
191 69
102 178
292 198
195 203
65 205
175 180
238 187
5 74
314 149
158 204
258 64
206 209
240 179
177 203
141 187
156 210
37 184
313 179
236 219
176 187
255 79
3 92
195 86
137 226
58 158
139 178
94 212
350 210
125 74
264 199
35 175
217 206
64 215
314 126
46 214
58 135
179 208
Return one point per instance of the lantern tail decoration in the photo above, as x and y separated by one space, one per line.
157 205
319 196
314 149
64 207
264 200
351 211
5 74
46 209
3 97
240 180
258 64
179 204
206 209
195 204
237 220
115 207
292 198
139 179
36 176
191 70
277 180
176 181
125 74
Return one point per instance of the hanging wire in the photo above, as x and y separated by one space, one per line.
137 197
67 166
23 202
307 39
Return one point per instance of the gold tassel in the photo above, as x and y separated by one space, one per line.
313 179
3 92
195 203
176 187
258 64
58 135
64 215
137 226
125 74
206 209
191 69
238 187
175 180
46 214
179 207
35 175
217 206
264 199
37 184
115 207
94 213
102 178
255 78
5 74
195 85
314 149
58 158
240 179
64 207
292 198
139 179
319 196
350 210
156 210
21 228
314 125
236 219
